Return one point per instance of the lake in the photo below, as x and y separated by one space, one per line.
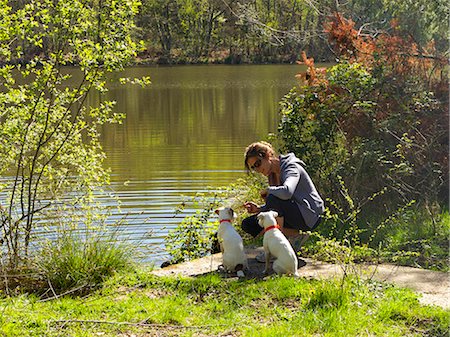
185 132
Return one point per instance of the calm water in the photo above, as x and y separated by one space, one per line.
182 134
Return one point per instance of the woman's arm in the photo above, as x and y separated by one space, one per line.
287 189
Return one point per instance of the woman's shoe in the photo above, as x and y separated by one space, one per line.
261 257
296 242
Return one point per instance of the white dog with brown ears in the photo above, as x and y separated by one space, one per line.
231 245
276 244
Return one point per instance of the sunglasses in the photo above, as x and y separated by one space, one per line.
256 164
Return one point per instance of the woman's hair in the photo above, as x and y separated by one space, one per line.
258 149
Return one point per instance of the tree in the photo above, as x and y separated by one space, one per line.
50 152
159 18
277 30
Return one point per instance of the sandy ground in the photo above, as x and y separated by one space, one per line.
433 286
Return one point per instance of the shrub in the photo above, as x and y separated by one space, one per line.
373 131
193 237
76 263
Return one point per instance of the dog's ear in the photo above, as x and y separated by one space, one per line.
260 216
275 214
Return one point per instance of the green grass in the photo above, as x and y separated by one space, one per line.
211 306
426 238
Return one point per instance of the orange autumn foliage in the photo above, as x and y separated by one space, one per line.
394 51
397 56
312 75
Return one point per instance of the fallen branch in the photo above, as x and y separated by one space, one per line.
142 324
63 294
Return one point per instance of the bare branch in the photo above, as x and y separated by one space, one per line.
142 324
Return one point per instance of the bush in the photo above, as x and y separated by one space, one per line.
193 237
76 263
373 131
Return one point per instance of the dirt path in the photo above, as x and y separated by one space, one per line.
431 285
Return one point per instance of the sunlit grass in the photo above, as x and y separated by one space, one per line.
211 306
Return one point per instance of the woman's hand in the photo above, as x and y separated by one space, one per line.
251 207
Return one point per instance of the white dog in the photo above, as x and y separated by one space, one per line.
231 245
277 244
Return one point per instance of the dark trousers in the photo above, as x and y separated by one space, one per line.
288 209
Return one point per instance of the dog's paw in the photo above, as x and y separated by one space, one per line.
221 269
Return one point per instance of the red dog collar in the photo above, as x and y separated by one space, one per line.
225 220
271 227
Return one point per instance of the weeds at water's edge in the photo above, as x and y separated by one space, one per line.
71 264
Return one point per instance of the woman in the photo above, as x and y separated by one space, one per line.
291 193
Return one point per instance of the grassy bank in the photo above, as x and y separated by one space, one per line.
140 304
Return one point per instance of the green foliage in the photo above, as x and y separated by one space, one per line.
230 31
416 239
186 29
424 20
405 237
308 128
49 136
342 127
193 237
273 31
353 79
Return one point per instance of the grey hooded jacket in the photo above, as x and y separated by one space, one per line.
296 184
